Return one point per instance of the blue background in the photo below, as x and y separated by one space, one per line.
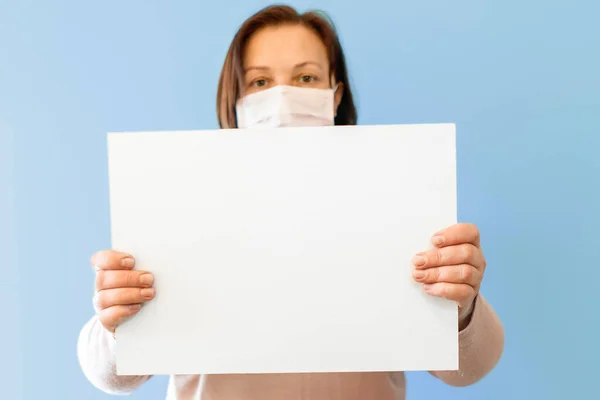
520 79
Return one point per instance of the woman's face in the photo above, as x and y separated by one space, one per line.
291 55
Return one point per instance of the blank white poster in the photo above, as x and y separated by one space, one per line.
284 250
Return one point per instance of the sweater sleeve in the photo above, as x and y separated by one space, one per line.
481 344
96 353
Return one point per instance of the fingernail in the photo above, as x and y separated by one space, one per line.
419 261
419 274
135 307
127 262
147 293
146 279
427 288
438 240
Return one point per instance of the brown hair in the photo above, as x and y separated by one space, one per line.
231 77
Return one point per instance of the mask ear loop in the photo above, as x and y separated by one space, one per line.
337 85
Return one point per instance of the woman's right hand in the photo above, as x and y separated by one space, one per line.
120 290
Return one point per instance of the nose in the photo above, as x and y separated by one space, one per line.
283 79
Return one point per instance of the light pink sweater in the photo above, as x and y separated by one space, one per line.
481 344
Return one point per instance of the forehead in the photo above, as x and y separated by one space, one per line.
284 46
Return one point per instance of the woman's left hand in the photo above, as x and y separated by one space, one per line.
454 268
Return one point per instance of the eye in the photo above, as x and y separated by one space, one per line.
307 79
261 82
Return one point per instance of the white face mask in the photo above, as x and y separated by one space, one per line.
282 106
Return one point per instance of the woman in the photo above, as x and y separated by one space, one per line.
288 69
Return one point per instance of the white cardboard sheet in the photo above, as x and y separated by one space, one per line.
284 250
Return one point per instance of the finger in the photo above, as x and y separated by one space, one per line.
111 279
462 294
457 234
111 317
463 273
110 259
122 296
453 255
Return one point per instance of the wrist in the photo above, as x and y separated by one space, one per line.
464 315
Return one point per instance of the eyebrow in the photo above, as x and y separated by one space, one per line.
299 65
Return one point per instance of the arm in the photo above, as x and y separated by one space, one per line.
96 353
481 343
